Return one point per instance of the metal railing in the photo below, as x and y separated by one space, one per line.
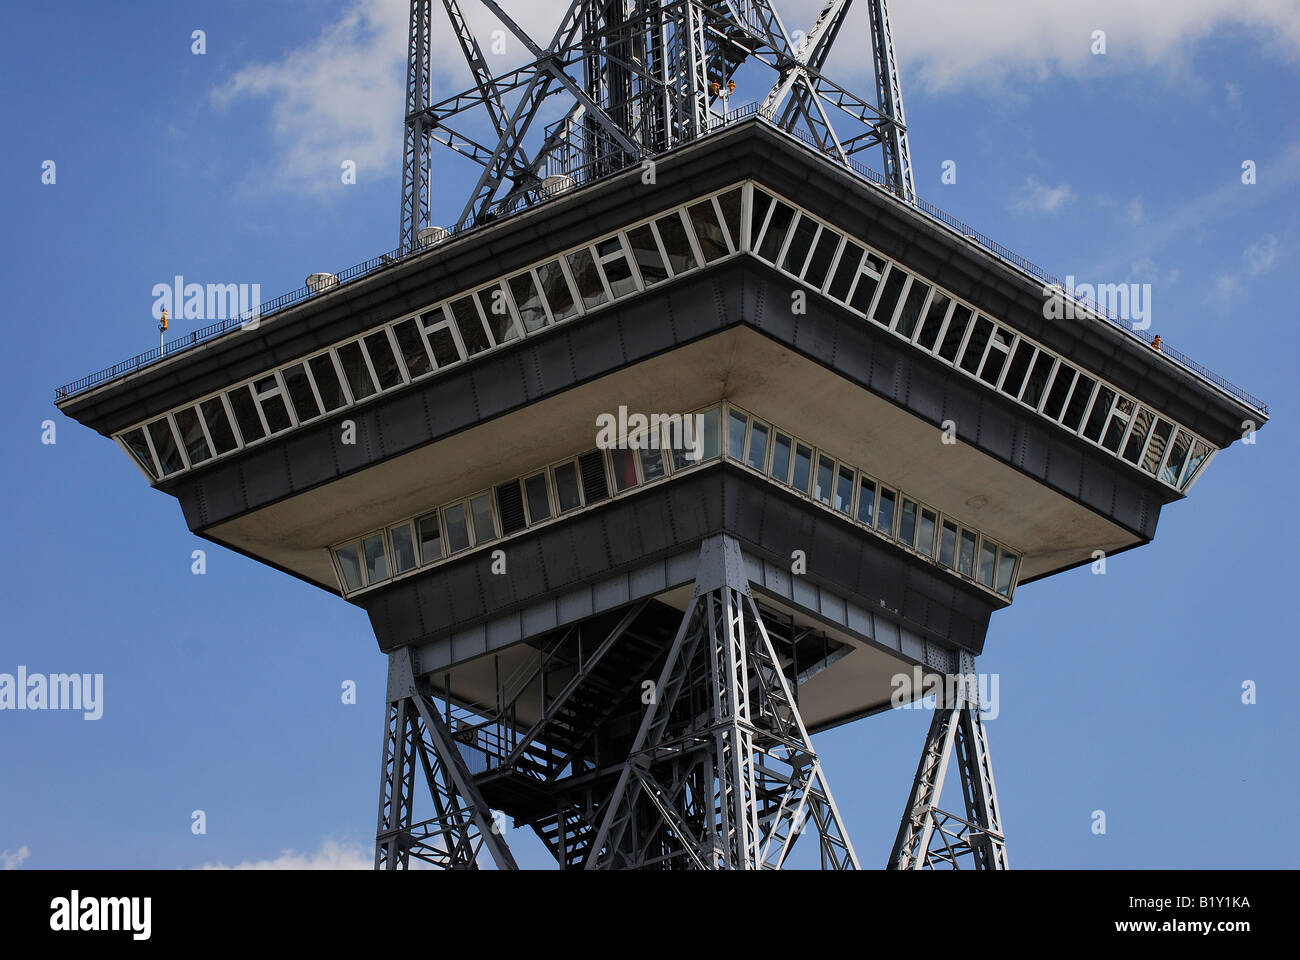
584 174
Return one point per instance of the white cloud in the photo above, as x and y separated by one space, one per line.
1040 198
1261 257
331 856
1135 212
12 861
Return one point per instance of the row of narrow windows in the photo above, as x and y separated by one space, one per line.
596 476
625 263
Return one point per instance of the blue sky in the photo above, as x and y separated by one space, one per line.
1119 693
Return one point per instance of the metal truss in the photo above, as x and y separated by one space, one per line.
928 836
462 826
640 77
721 773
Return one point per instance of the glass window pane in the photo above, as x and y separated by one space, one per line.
711 438
624 468
1018 369
802 467
349 566
1177 457
354 369
911 312
956 330
619 276
997 356
1006 568
966 559
566 487
774 235
1037 381
757 216
1078 402
885 511
800 244
276 412
214 414
1100 411
781 459
443 346
376 563
480 509
1200 453
327 381
652 464
250 424
825 477
556 289
845 271
528 301
1138 435
139 448
1059 392
757 446
403 548
926 531
866 501
187 422
586 278
988 557
496 308
472 334
736 436
413 354
676 244
385 363
539 499
907 525
844 490
430 538
646 252
713 244
820 262
1118 424
934 315
884 311
948 544
979 339
729 204
299 387
457 527
863 292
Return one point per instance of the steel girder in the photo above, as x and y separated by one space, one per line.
929 836
722 773
462 826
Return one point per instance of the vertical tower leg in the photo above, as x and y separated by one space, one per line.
929 836
461 826
722 773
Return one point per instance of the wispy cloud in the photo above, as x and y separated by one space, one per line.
1261 257
332 855
1038 197
12 861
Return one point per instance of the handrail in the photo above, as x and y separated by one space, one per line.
585 175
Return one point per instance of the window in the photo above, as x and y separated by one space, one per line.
866 501
1156 448
349 566
274 409
1137 437
1037 382
219 428
326 376
757 446
846 271
893 289
955 334
1200 453
139 447
412 349
996 357
191 431
988 560
496 310
825 476
613 262
1059 392
1177 457
802 467
246 416
566 487
885 512
480 509
457 527
649 259
652 464
948 544
781 459
376 563
681 257
383 360
1018 369
935 314
430 537
819 264
355 370
539 498
624 463
1006 572
979 339
926 531
711 439
301 394
528 301
762 203
729 206
713 242
472 332
736 436
966 558
1078 402
556 289
907 525
801 239
1118 424
585 276
1100 411
442 344
844 490
403 548
774 232
910 315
